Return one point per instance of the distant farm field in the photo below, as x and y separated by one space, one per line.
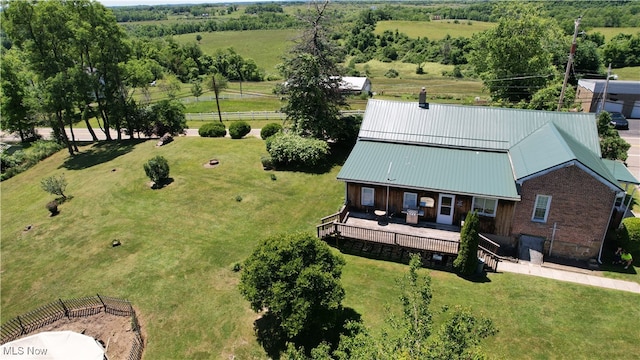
434 30
610 32
266 47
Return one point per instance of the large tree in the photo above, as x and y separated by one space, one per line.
514 58
16 97
295 279
312 90
77 51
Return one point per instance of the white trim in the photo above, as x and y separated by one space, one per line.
495 207
362 196
577 163
547 208
446 218
404 200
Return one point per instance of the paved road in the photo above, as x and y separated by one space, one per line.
632 136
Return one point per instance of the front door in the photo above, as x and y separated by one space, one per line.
445 209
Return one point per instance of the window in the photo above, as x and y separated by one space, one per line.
619 199
410 201
485 206
367 197
541 208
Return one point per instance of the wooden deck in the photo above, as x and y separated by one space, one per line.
432 241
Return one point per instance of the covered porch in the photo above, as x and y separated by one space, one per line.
437 244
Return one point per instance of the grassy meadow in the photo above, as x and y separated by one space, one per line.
179 245
265 47
435 29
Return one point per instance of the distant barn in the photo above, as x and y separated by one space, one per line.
355 85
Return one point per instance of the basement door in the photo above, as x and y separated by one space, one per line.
445 209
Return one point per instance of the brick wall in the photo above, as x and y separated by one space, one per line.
580 206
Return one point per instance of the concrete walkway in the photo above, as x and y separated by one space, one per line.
527 268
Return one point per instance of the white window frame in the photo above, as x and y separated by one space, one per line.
409 200
482 206
544 207
364 196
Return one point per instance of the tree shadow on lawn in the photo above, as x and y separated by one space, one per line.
273 340
101 152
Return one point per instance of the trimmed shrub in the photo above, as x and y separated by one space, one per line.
466 262
52 206
629 232
270 130
157 169
213 129
238 129
267 162
291 150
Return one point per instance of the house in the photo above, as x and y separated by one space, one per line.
355 85
525 172
622 96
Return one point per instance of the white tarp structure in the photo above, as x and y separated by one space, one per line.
53 345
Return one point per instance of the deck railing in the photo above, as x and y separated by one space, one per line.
388 237
332 226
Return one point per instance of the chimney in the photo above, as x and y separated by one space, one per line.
422 99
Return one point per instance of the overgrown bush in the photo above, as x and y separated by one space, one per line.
42 149
270 130
213 129
157 169
21 160
288 150
238 129
629 232
392 73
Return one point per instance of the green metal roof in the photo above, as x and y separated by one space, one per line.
472 150
472 172
468 126
620 172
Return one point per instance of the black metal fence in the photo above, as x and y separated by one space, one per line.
80 307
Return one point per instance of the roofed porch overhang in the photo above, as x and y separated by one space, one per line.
442 191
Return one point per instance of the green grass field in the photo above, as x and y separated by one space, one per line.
610 32
179 245
434 30
265 47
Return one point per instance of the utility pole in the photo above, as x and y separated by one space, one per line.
571 53
606 87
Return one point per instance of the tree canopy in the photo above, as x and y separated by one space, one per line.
296 279
612 146
514 59
312 90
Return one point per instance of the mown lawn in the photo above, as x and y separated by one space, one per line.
179 245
